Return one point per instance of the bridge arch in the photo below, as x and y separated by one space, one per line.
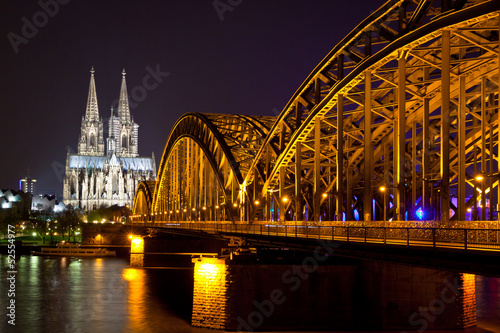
204 164
395 123
427 69
143 200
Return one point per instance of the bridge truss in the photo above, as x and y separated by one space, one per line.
398 122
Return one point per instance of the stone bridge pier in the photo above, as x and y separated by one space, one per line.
248 293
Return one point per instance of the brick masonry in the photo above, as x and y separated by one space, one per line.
361 296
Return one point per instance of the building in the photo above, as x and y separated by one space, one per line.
46 202
106 172
28 184
14 203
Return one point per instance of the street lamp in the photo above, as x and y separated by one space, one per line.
383 190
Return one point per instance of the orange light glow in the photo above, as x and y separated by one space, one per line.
257 202
324 195
137 245
210 283
285 199
235 205
208 269
382 188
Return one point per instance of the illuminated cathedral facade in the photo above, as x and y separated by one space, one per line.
106 172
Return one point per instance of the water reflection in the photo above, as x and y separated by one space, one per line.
488 302
71 295
136 298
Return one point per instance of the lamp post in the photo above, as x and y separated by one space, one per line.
256 204
480 180
327 196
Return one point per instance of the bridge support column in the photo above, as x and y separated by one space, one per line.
483 148
445 126
414 171
283 199
498 140
317 169
461 151
298 183
426 143
348 200
400 142
227 297
136 251
368 155
340 157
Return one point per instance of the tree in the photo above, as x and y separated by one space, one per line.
68 220
100 214
40 220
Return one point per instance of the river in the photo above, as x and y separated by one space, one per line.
94 295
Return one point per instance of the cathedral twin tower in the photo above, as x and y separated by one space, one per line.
96 176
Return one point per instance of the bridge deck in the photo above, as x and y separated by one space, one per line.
454 238
461 249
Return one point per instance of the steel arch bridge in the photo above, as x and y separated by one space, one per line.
398 122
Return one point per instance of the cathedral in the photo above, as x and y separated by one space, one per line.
106 172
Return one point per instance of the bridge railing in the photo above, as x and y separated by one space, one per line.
457 238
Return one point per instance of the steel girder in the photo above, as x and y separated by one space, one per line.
204 164
400 117
408 101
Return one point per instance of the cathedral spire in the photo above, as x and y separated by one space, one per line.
92 112
123 106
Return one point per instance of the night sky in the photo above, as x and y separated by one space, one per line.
251 62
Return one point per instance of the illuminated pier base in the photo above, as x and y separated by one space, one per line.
137 251
356 295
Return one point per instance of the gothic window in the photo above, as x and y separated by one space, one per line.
124 141
92 140
72 186
115 184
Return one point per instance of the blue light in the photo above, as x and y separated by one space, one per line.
356 215
373 209
420 214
